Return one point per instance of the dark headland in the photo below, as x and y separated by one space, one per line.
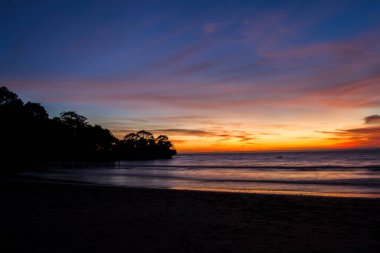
29 136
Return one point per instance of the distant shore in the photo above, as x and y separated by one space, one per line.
43 216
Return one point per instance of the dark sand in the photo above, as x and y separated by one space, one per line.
55 217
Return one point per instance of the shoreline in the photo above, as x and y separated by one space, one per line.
62 217
206 190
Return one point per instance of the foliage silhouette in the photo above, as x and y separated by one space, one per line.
72 119
36 110
29 136
142 145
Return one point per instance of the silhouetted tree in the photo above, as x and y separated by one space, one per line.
145 139
7 97
36 110
73 119
29 136
142 145
12 120
163 141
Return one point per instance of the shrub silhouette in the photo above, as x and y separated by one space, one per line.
36 111
72 119
142 145
29 136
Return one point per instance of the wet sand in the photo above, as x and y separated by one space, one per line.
56 217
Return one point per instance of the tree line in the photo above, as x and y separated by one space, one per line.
28 135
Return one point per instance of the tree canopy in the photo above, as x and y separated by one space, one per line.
143 145
28 135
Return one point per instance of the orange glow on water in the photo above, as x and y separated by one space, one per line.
271 192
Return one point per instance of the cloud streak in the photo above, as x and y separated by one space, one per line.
367 136
373 119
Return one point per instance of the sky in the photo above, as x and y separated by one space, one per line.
212 75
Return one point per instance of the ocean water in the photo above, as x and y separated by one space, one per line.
327 173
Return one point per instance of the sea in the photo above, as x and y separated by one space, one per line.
344 173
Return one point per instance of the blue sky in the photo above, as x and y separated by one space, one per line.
212 70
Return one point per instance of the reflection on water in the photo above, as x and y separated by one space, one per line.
343 174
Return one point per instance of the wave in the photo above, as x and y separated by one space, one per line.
274 167
371 182
351 182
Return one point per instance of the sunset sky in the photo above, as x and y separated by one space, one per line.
212 75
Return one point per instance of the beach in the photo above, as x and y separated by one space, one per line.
46 216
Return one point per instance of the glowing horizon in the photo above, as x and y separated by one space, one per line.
212 75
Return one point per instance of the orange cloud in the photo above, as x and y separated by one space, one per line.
368 136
